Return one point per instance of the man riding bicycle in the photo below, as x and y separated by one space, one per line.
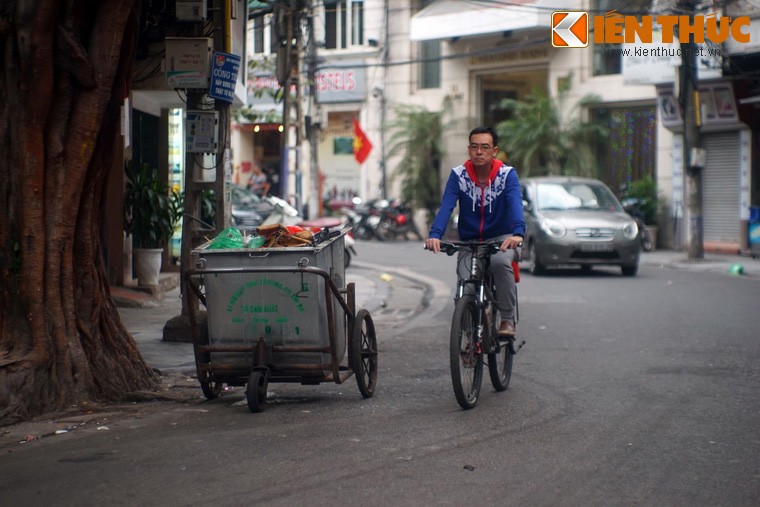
490 208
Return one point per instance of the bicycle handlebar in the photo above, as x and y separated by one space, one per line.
452 247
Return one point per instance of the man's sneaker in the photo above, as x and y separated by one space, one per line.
507 328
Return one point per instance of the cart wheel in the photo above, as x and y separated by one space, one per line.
256 392
211 390
362 353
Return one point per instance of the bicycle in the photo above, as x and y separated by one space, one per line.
474 326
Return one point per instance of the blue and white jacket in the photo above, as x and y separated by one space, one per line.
485 211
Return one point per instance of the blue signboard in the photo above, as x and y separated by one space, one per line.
224 71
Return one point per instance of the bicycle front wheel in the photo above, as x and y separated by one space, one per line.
465 356
500 360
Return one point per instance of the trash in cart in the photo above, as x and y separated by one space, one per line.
279 314
271 236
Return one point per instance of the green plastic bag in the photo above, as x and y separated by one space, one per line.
256 242
230 238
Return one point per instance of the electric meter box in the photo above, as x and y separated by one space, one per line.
188 60
201 131
190 10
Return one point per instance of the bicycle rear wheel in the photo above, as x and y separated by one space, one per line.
466 361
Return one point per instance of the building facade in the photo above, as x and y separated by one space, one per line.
376 55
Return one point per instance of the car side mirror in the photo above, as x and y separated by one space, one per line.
527 206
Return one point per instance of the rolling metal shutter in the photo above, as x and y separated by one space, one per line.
720 187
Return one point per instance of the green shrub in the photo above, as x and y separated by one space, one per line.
645 191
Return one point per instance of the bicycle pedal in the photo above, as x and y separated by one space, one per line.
513 350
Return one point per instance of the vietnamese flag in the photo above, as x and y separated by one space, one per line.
362 146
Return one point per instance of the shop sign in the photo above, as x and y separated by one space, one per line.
224 72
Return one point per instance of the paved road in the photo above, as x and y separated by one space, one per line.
630 392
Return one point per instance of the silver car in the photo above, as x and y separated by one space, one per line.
572 220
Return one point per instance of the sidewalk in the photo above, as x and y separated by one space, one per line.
145 317
712 262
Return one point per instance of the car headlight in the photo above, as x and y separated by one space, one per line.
630 230
553 228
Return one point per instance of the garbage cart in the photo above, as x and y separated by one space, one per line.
281 314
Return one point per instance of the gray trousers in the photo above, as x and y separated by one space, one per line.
503 275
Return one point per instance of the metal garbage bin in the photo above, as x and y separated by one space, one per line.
283 308
279 314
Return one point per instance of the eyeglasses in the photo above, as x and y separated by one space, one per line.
481 147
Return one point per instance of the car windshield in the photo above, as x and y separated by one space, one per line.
575 196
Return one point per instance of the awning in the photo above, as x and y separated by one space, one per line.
256 9
447 19
253 4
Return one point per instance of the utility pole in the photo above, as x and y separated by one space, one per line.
194 231
287 62
298 127
693 155
384 101
312 126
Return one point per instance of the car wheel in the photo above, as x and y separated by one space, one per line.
534 265
629 270
346 257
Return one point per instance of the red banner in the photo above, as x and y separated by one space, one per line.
362 146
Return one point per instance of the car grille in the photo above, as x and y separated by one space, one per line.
595 233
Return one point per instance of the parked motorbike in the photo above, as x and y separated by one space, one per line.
382 219
397 220
631 206
364 219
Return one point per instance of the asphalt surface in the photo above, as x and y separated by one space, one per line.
394 295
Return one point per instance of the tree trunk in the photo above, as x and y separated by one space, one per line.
67 68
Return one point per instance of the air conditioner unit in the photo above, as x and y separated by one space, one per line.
190 10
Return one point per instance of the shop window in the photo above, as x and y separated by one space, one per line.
344 23
493 113
430 64
608 57
262 40
429 52
630 150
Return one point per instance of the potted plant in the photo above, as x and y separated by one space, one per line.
642 194
152 211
